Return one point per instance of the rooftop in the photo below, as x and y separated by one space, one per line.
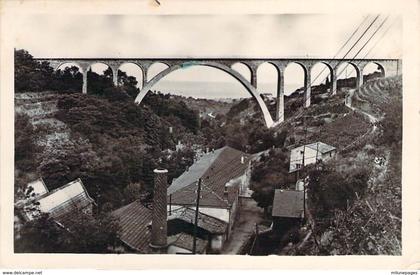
322 147
134 219
206 222
64 202
38 187
288 203
216 169
185 241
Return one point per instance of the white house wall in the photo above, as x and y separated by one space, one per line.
296 157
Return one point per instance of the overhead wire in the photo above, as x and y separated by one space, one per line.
343 58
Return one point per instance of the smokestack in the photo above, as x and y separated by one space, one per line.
159 219
242 159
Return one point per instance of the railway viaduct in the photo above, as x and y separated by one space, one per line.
389 67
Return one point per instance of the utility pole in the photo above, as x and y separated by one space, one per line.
197 204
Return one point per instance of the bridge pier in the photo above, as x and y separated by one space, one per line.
115 76
144 77
307 89
333 82
359 80
280 97
254 77
84 87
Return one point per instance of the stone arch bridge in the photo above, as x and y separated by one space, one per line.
389 67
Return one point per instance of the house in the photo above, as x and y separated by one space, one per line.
62 204
225 175
288 207
135 230
310 154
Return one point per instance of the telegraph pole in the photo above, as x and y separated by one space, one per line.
197 204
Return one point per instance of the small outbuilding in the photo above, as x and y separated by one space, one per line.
288 207
310 154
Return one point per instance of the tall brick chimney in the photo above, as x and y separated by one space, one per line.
159 219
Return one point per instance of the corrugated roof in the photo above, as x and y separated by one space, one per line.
288 203
71 194
215 169
134 219
65 202
322 147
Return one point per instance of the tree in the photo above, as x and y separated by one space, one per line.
25 143
84 235
270 174
132 192
31 75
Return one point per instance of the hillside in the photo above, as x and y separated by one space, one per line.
370 221
108 143
354 204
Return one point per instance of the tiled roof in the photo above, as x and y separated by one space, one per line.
288 203
134 220
208 223
185 241
215 169
322 147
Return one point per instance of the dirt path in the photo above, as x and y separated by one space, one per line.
249 214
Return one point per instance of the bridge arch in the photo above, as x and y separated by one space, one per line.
342 66
74 63
75 78
155 68
100 62
306 80
89 71
242 68
270 85
321 75
369 68
247 85
133 65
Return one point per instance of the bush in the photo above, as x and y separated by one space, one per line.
331 189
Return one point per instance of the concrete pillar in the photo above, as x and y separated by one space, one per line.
84 88
333 83
254 77
280 97
159 218
115 76
359 79
307 88
144 78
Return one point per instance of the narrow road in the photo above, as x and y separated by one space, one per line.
248 215
372 119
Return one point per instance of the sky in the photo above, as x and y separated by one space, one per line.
283 35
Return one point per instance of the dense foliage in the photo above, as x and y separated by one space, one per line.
332 189
25 144
84 235
272 172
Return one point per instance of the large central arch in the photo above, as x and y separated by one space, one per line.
247 85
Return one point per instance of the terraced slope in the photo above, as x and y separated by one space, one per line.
376 93
54 135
